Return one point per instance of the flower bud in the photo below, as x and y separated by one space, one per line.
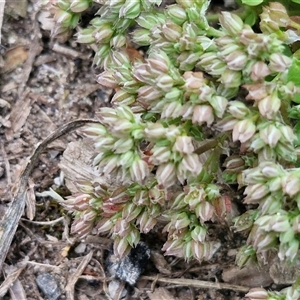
259 71
231 78
160 154
166 174
176 13
238 109
203 114
243 130
279 62
257 294
130 10
86 36
79 5
270 135
198 234
204 211
232 23
139 170
183 145
171 31
236 60
269 106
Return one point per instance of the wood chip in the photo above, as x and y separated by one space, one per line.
14 57
162 294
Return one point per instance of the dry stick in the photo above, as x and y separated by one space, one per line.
198 283
9 223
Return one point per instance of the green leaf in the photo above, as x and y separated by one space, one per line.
294 112
296 1
297 132
296 98
294 71
252 2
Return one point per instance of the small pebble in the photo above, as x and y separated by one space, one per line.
113 288
80 248
48 285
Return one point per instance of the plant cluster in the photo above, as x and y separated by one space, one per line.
197 92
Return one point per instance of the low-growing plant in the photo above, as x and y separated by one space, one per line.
188 93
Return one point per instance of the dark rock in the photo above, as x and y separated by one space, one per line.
48 285
131 266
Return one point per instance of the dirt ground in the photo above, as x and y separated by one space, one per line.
45 84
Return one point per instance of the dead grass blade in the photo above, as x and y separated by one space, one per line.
198 283
74 277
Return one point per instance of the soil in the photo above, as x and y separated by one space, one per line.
45 84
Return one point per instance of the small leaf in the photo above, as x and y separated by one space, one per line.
294 71
252 2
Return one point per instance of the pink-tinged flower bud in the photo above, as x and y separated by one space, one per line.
198 250
187 111
160 155
270 135
184 145
174 247
257 294
193 80
171 31
176 13
166 174
238 109
230 78
291 184
256 192
257 91
104 225
130 10
139 170
243 130
155 131
191 163
236 60
270 169
265 241
232 23
227 123
259 71
279 62
171 110
204 211
172 132
203 114
269 106
147 94
107 79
